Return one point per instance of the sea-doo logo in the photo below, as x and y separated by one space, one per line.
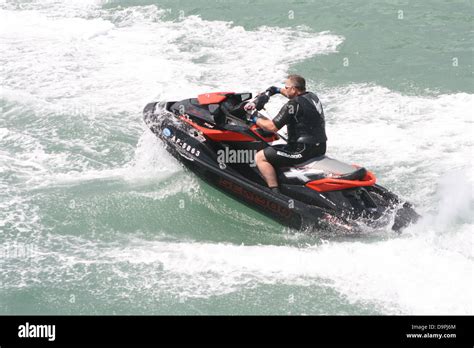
32 331
259 200
284 154
167 132
236 156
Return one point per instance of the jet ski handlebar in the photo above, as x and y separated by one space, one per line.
258 103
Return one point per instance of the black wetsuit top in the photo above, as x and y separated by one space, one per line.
304 118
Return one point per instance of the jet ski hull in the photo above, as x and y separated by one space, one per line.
297 206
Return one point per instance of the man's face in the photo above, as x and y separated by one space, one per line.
289 91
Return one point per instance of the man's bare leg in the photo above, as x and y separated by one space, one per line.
266 169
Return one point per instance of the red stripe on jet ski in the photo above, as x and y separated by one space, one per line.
219 135
332 184
213 98
269 139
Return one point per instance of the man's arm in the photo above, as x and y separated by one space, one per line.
267 124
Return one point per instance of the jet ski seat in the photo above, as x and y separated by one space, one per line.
336 168
322 167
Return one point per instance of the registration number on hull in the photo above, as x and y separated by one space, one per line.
192 150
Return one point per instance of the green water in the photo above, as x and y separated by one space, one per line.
415 47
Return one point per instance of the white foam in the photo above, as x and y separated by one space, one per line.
116 66
95 62
413 141
407 275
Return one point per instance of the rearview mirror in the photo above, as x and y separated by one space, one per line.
245 96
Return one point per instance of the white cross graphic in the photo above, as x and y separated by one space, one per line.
301 173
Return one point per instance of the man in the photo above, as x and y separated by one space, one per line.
304 117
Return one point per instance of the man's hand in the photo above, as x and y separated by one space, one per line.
249 106
273 90
258 103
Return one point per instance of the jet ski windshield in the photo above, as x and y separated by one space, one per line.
213 107
235 103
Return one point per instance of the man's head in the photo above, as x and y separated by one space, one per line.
294 86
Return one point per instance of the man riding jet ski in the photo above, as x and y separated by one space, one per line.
295 184
304 117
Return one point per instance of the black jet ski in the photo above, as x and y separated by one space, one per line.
212 135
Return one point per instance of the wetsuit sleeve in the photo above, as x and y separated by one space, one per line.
286 113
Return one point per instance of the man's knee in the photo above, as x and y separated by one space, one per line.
260 157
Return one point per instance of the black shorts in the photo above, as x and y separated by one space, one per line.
288 156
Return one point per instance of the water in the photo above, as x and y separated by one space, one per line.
96 217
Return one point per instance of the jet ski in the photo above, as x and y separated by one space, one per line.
212 135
